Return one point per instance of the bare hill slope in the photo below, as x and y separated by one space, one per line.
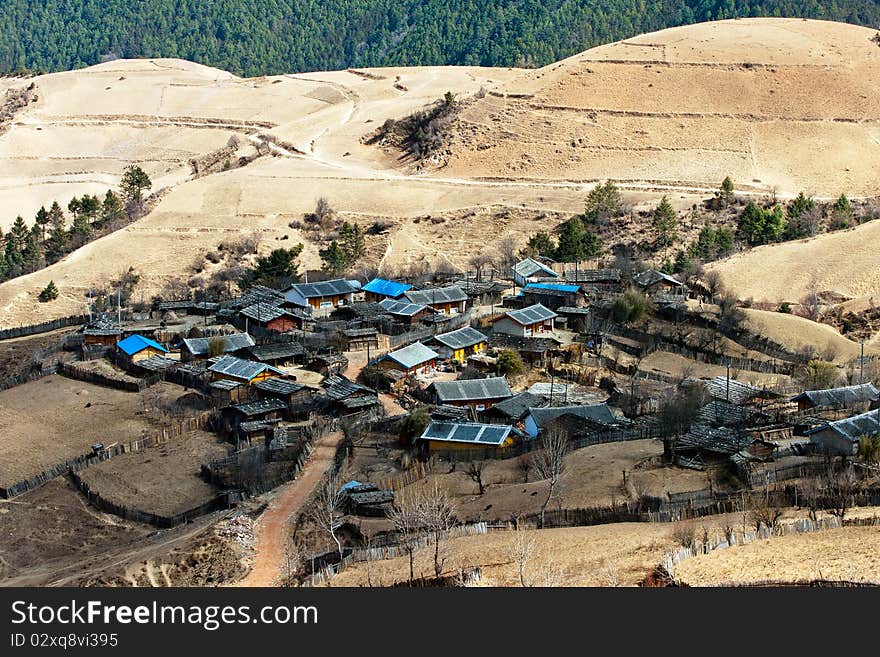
678 109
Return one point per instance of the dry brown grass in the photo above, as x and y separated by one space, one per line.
848 553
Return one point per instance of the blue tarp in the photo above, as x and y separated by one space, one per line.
386 288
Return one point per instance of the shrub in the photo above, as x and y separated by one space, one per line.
631 306
510 363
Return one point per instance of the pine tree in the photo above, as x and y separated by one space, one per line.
725 193
16 243
49 293
42 220
134 181
571 241
334 259
603 202
539 244
665 222
58 242
32 256
112 209
352 243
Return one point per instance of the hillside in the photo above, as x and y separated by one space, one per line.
511 168
259 37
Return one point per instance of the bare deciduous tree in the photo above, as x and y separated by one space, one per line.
520 552
765 514
475 472
840 487
327 511
436 516
404 516
549 463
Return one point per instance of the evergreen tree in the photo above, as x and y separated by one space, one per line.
49 293
665 222
725 192
42 220
352 243
32 257
16 243
334 259
723 241
112 209
571 241
278 268
842 214
134 181
603 202
58 243
539 244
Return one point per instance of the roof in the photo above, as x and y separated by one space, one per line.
852 428
239 368
412 355
531 315
570 394
721 440
258 294
839 396
597 413
260 406
325 288
233 342
535 345
652 276
136 343
593 275
552 288
448 294
157 363
471 389
279 386
572 310
276 351
740 393
718 413
461 338
517 407
402 308
490 435
265 312
225 384
361 333
338 387
530 267
386 288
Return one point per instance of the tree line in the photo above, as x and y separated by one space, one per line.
55 233
258 37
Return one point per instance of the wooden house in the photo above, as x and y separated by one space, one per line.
361 339
247 372
137 347
380 289
513 410
530 270
602 281
224 392
842 437
656 282
464 436
261 410
848 397
278 353
101 334
525 322
297 396
412 359
459 344
449 300
405 312
552 295
272 318
322 297
478 394
349 397
235 344
595 416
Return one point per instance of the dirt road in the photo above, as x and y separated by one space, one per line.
274 524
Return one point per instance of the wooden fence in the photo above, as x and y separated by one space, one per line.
13 381
74 372
45 327
80 462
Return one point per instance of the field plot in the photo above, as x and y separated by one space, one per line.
848 553
140 480
594 477
54 419
53 526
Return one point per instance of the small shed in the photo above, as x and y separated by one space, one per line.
234 344
136 347
530 270
842 437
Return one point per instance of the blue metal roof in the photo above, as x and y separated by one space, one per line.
552 286
137 343
386 288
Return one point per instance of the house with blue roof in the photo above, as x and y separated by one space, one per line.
136 347
380 289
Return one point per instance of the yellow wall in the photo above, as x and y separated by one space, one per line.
447 446
216 376
149 352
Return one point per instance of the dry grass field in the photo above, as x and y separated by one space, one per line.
848 553
139 480
48 421
764 95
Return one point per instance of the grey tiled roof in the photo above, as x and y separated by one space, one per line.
449 294
461 338
517 407
413 355
597 413
259 407
402 308
326 288
531 314
853 428
839 396
279 386
471 389
239 368
530 267
233 342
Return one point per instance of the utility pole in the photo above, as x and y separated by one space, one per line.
728 381
119 307
862 364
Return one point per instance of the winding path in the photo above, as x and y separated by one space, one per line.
273 527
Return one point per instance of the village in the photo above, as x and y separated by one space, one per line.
449 405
